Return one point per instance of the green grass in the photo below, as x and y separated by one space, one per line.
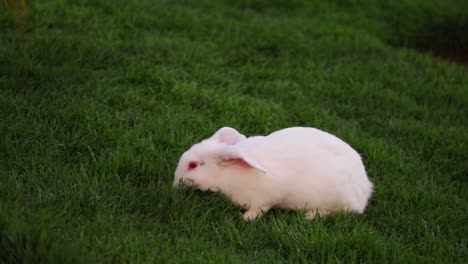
98 99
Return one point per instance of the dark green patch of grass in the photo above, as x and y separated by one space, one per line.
435 27
98 99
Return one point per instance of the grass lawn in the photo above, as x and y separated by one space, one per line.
98 99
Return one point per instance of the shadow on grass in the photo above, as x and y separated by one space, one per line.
23 244
441 33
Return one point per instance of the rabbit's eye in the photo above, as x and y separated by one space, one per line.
192 165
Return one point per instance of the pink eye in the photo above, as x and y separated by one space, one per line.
192 165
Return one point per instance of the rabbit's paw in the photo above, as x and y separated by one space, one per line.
311 214
250 215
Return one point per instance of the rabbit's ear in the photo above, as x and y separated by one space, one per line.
233 156
228 136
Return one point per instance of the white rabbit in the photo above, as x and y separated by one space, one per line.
297 168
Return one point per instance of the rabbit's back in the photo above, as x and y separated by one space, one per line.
312 169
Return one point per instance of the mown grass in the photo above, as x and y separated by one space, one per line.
98 99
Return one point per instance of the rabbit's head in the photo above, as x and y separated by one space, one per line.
206 164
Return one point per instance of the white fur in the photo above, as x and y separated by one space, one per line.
295 168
